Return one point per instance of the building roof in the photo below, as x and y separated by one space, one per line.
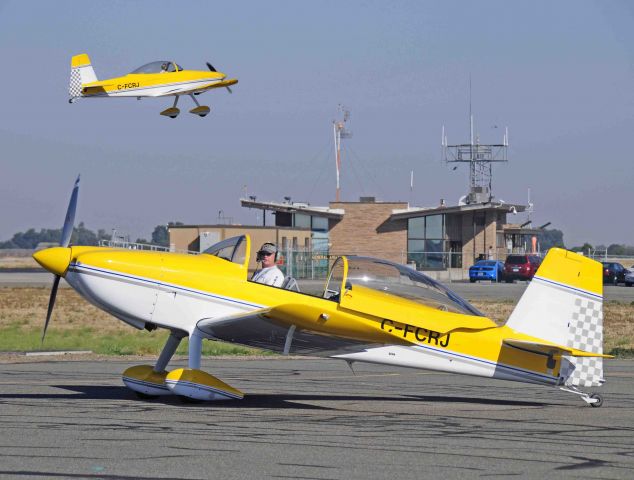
235 225
518 229
410 212
294 207
397 214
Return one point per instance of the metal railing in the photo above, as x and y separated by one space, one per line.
304 263
141 246
626 260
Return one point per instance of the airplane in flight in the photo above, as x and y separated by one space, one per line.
155 79
370 310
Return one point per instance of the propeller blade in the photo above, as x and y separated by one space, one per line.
229 90
51 304
211 67
69 222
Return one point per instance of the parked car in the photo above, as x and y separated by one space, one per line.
520 267
613 273
487 270
629 277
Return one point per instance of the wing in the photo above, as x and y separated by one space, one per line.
260 329
186 90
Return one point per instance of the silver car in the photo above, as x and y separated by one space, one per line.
629 277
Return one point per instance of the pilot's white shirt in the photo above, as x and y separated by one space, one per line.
269 276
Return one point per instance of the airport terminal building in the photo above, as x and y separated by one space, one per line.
440 238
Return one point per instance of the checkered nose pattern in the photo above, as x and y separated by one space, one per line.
586 333
74 89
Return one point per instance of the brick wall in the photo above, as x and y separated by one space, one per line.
365 230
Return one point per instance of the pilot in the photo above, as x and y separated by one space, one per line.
269 274
164 68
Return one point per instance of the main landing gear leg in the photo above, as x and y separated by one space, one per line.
148 381
194 384
592 399
200 110
172 112
173 341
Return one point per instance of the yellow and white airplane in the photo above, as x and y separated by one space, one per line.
370 310
156 79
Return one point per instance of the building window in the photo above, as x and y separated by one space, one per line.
416 227
434 226
302 220
426 242
320 242
320 224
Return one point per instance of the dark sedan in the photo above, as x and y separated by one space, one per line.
613 273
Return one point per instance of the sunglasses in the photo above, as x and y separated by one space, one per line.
265 254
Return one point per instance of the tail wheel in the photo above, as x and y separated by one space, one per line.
598 398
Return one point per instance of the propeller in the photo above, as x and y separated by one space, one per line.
67 231
211 67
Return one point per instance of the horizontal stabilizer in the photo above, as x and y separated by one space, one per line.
550 349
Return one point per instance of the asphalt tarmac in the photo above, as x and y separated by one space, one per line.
309 419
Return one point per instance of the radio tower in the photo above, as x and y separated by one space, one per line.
340 132
480 159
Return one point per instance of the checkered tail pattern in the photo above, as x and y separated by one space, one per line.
74 89
586 333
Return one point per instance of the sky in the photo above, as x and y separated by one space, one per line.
559 75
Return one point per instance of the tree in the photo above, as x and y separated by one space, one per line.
585 248
624 250
551 238
160 235
31 238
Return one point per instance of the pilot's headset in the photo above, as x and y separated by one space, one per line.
267 247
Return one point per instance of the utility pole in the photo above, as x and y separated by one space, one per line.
340 132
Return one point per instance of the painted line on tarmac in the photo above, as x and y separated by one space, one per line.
61 352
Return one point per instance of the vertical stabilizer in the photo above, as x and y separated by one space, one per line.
81 72
564 304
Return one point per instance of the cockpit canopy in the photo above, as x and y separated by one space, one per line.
158 67
234 249
393 279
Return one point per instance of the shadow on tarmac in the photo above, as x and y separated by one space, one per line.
272 401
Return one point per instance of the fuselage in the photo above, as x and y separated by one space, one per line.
152 84
175 292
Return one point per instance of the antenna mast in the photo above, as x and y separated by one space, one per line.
340 132
479 157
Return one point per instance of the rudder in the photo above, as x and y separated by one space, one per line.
81 72
564 305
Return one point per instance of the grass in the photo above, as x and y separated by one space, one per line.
78 325
618 323
18 261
